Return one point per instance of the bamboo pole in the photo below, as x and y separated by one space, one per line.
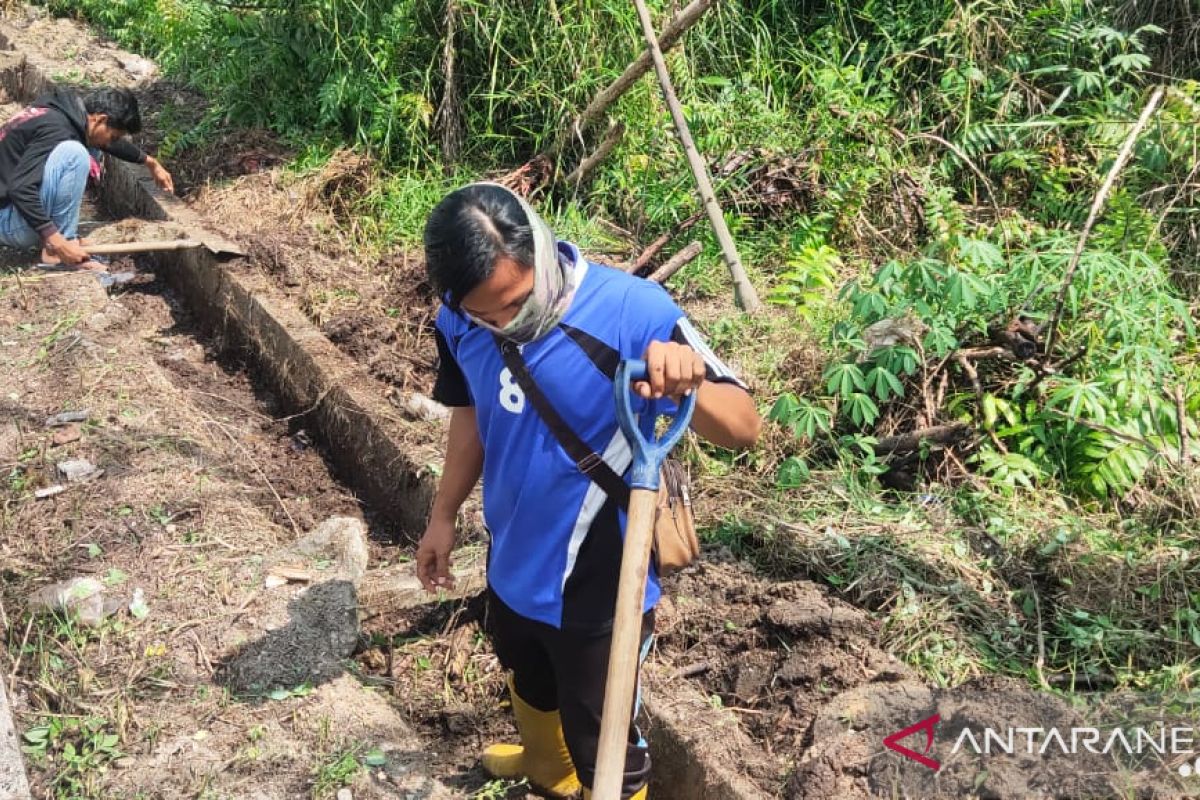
743 290
671 34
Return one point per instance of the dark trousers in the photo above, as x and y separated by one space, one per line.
564 670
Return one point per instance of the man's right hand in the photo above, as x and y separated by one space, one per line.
433 555
67 251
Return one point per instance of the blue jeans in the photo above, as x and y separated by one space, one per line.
63 181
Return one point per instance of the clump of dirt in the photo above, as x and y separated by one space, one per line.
774 652
322 631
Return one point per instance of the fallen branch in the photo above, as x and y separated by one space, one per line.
677 262
671 34
743 291
984 352
654 248
589 164
693 670
1098 204
938 434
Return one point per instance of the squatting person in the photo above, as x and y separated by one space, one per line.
507 283
45 163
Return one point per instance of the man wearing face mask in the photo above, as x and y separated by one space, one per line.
515 298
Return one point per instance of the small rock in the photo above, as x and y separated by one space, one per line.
345 794
459 718
336 549
110 279
79 469
66 418
82 595
66 435
49 491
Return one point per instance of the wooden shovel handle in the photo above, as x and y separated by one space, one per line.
626 638
140 247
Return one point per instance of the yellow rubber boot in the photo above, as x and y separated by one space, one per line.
542 756
640 794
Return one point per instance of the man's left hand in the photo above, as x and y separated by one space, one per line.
673 369
160 175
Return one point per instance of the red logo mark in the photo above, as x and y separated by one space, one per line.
24 116
893 742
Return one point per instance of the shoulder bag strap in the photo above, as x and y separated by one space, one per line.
586 459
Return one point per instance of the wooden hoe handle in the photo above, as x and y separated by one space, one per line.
121 248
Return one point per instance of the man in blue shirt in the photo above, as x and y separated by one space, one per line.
512 291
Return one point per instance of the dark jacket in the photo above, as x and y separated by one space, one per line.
26 142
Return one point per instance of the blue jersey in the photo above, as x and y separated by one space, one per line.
555 536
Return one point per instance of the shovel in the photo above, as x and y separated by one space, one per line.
631 590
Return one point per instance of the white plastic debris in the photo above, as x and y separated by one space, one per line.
137 606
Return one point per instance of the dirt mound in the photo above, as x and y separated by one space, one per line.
990 738
772 652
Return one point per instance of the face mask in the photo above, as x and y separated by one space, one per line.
553 285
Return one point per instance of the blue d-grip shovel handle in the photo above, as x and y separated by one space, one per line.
647 456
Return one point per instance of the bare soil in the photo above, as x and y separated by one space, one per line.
202 480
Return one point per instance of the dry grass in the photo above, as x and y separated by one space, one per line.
184 512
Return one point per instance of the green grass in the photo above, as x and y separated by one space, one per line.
946 155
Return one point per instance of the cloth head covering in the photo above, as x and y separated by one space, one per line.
553 282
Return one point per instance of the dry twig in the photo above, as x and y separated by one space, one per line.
1098 204
677 262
